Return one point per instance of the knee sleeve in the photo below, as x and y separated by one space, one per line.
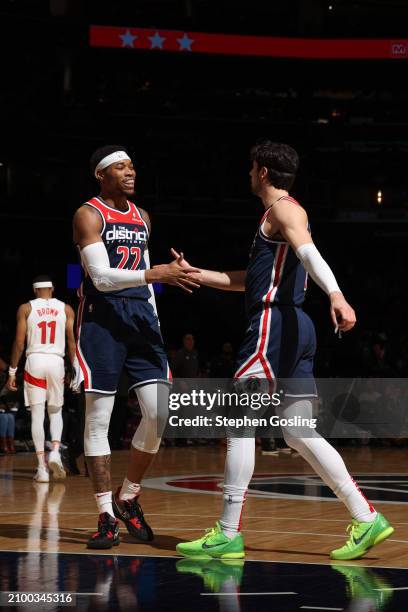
37 426
97 417
154 405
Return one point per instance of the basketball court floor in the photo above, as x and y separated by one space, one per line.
291 522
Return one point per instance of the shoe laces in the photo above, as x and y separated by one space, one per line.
104 527
353 531
211 531
133 508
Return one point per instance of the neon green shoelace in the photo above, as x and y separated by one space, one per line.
211 531
353 531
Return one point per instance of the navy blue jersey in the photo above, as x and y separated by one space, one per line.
274 274
125 235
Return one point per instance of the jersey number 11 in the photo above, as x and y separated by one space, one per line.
43 326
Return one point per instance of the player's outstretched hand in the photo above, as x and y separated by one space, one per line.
174 274
342 314
11 383
179 257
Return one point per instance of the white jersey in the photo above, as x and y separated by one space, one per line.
46 327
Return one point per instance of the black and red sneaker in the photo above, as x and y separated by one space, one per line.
131 513
107 534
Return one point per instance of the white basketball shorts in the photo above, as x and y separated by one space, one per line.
44 379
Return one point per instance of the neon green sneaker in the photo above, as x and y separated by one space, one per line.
363 536
214 572
365 584
214 544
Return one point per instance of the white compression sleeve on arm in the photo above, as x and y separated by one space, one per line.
318 269
96 260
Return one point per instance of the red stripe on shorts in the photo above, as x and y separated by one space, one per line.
37 382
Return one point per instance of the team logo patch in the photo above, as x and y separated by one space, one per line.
379 488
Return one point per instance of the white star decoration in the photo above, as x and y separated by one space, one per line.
128 39
185 43
157 41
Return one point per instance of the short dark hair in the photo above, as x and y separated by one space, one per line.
42 278
102 152
279 159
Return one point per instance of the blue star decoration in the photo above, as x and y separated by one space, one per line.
185 43
128 39
157 41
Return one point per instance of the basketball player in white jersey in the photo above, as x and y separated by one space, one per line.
42 325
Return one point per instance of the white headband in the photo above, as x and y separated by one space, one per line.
42 285
117 156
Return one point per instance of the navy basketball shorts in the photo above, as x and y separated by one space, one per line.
279 345
116 333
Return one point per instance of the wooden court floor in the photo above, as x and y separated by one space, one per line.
59 517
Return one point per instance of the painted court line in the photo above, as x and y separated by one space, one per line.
108 553
318 608
170 516
311 533
88 594
237 594
330 535
392 589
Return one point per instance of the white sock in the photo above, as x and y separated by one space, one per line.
129 490
239 467
41 460
327 463
104 502
234 500
358 505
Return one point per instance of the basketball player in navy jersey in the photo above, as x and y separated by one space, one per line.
280 344
118 328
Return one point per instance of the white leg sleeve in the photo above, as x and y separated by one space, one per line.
37 426
327 463
154 405
97 416
56 423
239 467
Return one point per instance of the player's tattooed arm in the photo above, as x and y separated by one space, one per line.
233 280
99 471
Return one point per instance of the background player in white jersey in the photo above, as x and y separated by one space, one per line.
42 325
279 345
